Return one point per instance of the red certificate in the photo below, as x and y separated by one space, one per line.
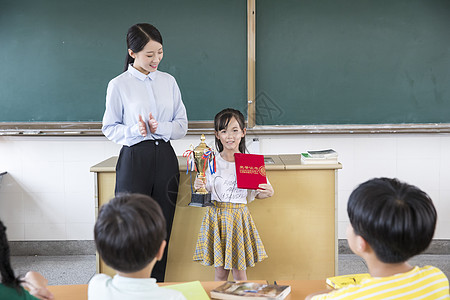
250 170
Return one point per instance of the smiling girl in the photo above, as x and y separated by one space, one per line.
144 111
228 238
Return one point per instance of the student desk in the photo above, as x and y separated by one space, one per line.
299 289
297 225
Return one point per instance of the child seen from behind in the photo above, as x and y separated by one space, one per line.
130 237
390 222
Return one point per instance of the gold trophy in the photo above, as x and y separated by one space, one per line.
203 156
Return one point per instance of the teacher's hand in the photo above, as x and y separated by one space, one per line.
152 123
142 128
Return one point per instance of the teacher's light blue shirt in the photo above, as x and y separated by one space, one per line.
133 93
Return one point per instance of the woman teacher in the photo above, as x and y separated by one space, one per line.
144 111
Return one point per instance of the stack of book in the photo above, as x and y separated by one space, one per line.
328 156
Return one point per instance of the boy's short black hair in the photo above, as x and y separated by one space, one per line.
129 232
395 218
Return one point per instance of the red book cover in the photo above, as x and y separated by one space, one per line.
250 170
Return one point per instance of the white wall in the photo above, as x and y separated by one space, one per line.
48 193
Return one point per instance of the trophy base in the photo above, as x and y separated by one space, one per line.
200 200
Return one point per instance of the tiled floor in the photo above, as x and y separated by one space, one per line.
70 269
78 269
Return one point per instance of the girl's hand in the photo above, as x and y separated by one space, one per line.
198 183
37 285
265 191
142 128
152 123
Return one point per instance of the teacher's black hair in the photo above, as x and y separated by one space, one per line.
138 36
395 218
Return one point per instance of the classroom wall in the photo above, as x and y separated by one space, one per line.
48 193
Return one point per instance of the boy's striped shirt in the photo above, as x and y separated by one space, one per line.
419 283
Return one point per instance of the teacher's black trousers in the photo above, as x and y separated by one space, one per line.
151 168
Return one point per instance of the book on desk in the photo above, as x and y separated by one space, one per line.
328 156
243 290
191 290
338 282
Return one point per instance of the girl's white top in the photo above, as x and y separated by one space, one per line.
223 184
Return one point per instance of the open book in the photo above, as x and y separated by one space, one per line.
250 290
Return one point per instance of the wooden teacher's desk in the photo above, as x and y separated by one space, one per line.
299 289
297 225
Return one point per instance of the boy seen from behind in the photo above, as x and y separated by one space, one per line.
130 237
390 222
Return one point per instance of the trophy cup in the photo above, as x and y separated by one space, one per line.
201 157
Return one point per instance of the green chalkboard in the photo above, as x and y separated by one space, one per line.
57 57
352 61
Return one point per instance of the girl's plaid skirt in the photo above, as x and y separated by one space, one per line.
228 237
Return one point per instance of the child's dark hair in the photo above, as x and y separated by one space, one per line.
221 121
138 36
7 273
129 232
395 218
